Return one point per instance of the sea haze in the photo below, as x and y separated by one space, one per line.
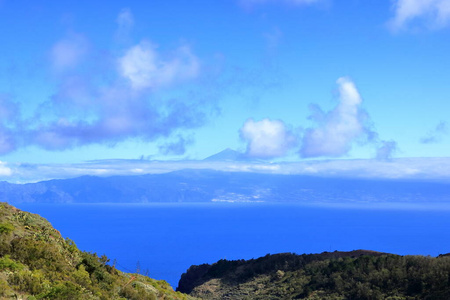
164 239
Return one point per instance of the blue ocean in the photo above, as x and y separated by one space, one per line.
163 240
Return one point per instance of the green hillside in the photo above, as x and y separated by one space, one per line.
36 262
336 275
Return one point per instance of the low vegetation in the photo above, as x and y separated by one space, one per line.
336 275
36 262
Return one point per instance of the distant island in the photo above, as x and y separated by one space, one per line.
200 185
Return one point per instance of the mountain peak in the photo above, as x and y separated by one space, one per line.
227 155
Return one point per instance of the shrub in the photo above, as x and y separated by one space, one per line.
27 282
6 228
136 292
64 290
7 263
3 287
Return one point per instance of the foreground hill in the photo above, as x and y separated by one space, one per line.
37 263
357 274
207 186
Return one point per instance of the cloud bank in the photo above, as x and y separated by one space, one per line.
339 128
399 168
433 14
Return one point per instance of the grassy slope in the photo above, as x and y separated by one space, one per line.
36 262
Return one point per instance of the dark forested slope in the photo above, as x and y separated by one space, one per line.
357 274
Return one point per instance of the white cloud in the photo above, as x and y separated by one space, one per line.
4 170
143 66
430 13
68 52
267 138
338 128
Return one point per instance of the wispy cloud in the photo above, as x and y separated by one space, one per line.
436 134
125 22
177 147
7 140
386 150
339 128
288 2
9 115
431 14
267 138
273 38
68 52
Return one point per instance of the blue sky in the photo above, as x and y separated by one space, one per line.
287 80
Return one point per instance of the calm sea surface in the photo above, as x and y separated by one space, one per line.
163 240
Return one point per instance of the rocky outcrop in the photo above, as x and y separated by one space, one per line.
193 277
